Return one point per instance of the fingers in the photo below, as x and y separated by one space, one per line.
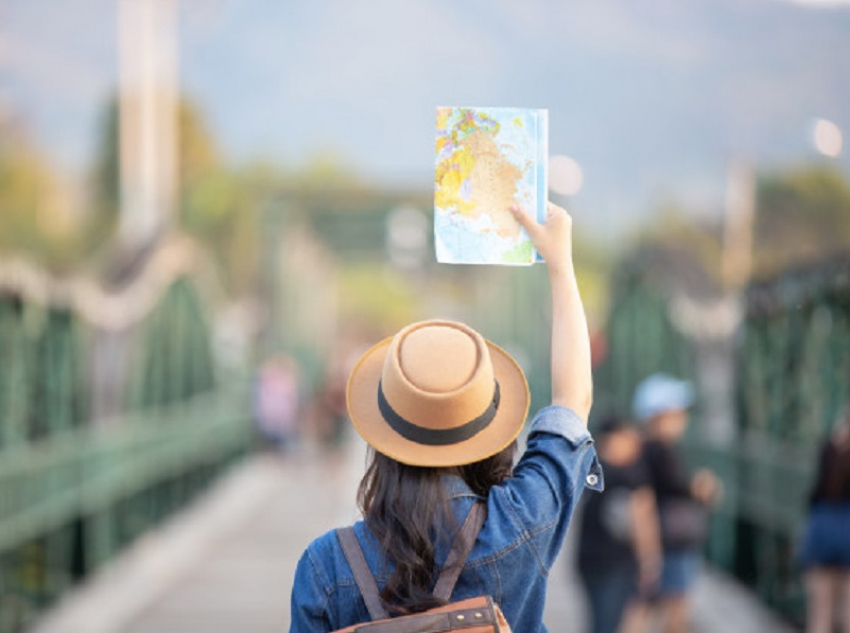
529 223
526 219
552 237
520 214
553 210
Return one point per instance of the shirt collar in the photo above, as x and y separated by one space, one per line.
456 487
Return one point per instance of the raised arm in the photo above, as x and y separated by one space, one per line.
572 383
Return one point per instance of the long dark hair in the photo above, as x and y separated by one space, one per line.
406 509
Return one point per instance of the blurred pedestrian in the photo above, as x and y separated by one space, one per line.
441 407
618 546
277 402
332 415
825 548
661 403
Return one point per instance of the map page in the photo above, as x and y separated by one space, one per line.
487 160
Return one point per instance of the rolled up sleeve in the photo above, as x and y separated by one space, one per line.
558 464
563 421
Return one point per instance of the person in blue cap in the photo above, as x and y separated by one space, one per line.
661 403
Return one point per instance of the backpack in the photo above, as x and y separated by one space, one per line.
473 615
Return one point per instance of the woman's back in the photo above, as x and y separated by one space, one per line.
527 518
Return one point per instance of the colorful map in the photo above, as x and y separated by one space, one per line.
487 160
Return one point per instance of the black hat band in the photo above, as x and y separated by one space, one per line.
438 437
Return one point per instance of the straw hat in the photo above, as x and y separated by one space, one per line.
437 394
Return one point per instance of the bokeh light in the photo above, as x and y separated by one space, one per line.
565 175
828 138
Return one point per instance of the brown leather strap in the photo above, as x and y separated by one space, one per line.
482 616
461 548
362 575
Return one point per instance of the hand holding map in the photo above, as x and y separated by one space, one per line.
552 238
488 159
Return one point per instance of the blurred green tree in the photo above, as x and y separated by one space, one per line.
106 174
40 217
803 216
672 234
221 205
214 200
25 184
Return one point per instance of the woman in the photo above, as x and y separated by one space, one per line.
441 408
826 543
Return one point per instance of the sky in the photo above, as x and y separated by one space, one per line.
651 97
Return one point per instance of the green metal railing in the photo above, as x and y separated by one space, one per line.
176 360
641 337
85 471
793 377
75 488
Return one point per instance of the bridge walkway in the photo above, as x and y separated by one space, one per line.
226 563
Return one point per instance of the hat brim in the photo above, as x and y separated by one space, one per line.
362 400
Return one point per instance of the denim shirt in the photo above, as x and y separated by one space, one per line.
527 519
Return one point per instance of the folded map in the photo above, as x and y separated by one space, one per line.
487 160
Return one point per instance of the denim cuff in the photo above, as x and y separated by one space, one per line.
563 421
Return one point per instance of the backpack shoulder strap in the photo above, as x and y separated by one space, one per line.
362 576
461 548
